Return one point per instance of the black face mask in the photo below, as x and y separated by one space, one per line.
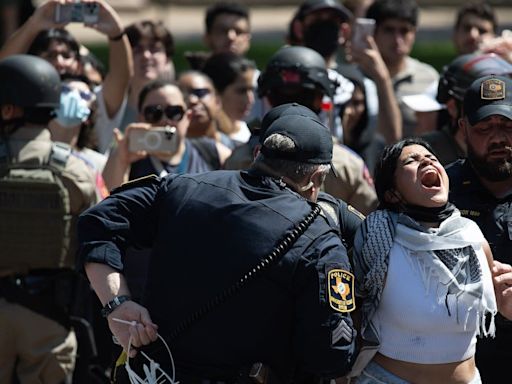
322 36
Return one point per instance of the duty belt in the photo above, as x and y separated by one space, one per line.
30 294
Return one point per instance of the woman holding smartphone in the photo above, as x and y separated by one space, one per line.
147 148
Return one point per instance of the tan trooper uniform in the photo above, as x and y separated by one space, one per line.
354 184
34 348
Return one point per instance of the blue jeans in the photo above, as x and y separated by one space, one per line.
375 374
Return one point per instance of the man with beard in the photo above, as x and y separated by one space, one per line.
481 187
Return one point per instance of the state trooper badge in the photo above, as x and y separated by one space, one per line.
492 89
341 290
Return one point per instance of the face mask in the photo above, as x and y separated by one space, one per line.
322 36
73 109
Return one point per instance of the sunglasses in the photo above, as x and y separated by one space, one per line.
198 92
86 95
154 113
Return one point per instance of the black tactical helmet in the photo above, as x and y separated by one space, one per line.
29 81
295 66
461 72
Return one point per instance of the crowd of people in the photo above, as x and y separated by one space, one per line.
342 215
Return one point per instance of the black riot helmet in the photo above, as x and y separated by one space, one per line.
30 82
298 67
461 72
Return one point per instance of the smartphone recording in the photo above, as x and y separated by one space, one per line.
87 13
153 140
362 28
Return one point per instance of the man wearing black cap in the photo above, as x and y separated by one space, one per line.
269 281
481 187
448 139
323 26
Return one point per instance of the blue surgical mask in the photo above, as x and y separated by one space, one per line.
73 109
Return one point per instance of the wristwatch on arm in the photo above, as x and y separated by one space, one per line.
113 304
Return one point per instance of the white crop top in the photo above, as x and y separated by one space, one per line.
414 325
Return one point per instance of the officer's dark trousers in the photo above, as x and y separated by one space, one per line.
494 357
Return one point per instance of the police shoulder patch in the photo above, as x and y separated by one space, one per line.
492 89
340 285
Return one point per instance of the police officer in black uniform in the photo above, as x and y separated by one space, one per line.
481 187
448 140
217 304
339 212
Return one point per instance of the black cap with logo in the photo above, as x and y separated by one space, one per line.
462 71
487 96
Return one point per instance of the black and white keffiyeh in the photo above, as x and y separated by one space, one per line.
445 256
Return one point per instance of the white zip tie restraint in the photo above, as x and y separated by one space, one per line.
154 369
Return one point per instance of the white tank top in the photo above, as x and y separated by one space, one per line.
414 326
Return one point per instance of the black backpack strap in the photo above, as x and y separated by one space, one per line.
59 155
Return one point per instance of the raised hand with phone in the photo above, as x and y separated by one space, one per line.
364 52
44 35
96 14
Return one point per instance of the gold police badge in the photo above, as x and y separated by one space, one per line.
492 89
341 290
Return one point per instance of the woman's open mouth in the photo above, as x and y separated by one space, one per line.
430 179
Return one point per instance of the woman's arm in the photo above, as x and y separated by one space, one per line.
43 18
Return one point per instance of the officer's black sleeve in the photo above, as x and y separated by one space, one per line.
324 335
350 221
127 217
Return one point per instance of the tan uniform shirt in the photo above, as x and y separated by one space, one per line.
353 184
47 351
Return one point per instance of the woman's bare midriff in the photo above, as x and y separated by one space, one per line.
461 372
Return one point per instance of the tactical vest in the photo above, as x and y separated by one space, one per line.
35 217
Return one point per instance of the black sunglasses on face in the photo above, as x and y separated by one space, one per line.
198 92
154 113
